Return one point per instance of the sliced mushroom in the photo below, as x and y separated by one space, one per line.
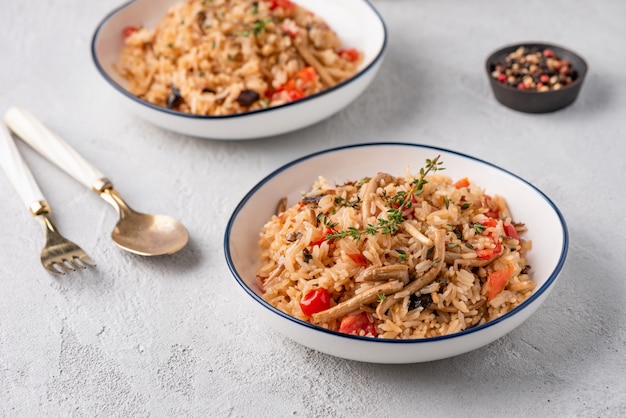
384 273
438 263
415 233
366 297
281 206
426 279
370 189
306 54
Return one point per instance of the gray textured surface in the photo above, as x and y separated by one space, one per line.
173 336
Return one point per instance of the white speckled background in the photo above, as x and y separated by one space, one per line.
173 336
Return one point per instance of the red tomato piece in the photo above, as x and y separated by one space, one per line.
295 87
489 253
319 241
316 300
464 182
497 281
349 54
129 30
358 258
285 4
354 324
307 74
492 208
510 231
489 222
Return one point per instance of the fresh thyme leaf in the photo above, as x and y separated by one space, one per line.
354 233
479 228
402 255
468 245
447 202
465 206
371 229
259 25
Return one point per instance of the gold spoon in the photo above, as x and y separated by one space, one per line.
136 232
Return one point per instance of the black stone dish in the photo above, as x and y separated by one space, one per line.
531 101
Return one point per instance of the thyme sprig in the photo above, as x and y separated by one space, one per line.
397 204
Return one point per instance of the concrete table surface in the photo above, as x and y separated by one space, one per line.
174 336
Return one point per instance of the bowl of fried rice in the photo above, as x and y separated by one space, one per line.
239 69
395 252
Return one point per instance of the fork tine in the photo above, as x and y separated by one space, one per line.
52 268
64 265
73 262
84 258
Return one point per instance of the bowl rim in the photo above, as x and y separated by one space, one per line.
100 68
491 59
517 310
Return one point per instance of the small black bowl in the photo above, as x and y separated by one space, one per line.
533 101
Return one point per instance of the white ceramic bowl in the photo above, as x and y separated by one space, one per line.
356 22
546 229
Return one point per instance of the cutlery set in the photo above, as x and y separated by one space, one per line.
138 233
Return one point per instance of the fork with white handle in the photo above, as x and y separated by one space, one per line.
58 254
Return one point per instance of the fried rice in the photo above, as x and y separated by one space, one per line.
413 256
220 57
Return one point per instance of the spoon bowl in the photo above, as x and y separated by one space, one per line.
143 233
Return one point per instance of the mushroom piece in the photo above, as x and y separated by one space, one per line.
370 189
426 279
307 55
281 206
384 273
351 305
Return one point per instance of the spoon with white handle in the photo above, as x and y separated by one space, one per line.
136 232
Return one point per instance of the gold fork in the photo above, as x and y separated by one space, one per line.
58 254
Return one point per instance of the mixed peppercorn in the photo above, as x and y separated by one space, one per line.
534 69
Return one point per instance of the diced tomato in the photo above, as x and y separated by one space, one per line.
358 258
288 95
492 208
307 74
489 222
489 253
295 87
510 231
129 30
354 324
285 4
497 280
315 301
349 54
464 182
322 238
